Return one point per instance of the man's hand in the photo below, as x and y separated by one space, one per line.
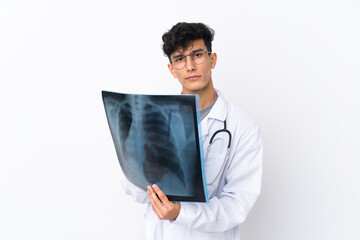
164 209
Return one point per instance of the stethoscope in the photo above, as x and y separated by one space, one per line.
227 150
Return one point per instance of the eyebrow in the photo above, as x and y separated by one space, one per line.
181 55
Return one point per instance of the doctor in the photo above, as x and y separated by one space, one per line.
233 175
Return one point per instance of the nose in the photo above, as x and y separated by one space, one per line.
190 65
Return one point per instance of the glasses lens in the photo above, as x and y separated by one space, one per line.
198 57
178 62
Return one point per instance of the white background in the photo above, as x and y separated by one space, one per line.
293 65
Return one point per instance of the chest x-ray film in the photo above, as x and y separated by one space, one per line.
158 140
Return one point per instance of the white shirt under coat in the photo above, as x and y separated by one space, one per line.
233 194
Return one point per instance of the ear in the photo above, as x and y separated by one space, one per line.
172 71
213 58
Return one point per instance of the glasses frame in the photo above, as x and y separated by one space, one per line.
190 54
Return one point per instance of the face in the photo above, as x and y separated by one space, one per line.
194 78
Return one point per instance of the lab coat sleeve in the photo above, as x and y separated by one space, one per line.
242 187
136 193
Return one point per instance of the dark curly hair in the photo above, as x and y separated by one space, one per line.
182 34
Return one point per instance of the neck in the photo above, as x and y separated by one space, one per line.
207 100
207 95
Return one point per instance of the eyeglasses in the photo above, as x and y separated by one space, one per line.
198 56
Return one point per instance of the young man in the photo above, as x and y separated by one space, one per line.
233 176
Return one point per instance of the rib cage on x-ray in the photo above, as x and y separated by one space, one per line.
160 150
156 141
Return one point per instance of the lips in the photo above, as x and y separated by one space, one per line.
194 77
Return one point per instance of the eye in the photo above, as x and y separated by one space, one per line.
198 55
179 59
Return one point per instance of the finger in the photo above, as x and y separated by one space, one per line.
155 202
160 194
156 199
151 196
154 196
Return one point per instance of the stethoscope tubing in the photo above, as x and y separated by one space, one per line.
219 131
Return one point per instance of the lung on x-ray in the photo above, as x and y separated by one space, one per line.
158 140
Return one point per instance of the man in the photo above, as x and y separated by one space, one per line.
233 176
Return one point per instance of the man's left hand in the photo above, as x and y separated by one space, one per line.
163 208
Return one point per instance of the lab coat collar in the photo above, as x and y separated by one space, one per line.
218 112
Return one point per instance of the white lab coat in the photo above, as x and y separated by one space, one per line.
231 196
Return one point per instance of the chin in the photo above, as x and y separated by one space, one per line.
196 88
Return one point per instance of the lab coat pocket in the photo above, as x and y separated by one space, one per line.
213 171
